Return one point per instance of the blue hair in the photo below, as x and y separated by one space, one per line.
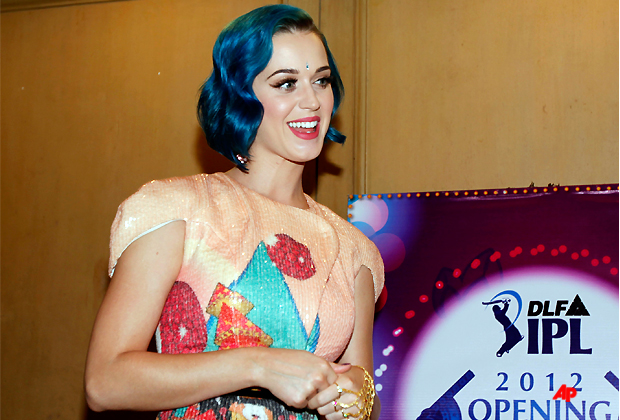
228 110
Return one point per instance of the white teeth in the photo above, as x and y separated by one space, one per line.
310 124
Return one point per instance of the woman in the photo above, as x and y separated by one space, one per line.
261 300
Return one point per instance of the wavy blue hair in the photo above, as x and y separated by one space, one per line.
228 110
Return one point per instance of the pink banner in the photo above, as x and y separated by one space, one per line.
499 304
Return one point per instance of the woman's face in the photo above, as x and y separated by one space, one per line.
297 99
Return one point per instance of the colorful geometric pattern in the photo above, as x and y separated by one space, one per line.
235 330
182 326
247 306
223 294
291 257
233 407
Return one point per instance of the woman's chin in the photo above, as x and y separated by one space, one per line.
309 157
305 154
302 161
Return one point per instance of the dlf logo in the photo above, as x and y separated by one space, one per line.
555 328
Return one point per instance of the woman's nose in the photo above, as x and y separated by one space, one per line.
309 100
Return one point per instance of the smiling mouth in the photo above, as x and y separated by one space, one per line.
305 127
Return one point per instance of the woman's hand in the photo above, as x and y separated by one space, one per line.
295 376
331 404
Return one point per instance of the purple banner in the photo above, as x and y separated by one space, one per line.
499 304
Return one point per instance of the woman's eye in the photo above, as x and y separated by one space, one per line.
288 84
324 81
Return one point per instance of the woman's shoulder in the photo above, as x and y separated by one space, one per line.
357 246
342 226
180 193
198 198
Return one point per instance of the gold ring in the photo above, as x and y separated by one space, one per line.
354 403
338 389
336 406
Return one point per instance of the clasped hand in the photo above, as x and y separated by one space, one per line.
335 405
296 377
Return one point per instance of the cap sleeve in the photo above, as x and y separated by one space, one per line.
369 256
154 205
356 250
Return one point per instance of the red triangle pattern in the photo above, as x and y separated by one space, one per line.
235 330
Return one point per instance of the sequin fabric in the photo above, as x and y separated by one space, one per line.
255 272
233 407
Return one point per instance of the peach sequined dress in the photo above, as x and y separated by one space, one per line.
255 272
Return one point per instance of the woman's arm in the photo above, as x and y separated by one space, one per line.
358 352
121 374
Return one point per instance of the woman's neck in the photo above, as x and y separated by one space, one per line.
281 183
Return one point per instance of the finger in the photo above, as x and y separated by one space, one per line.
331 378
329 408
322 379
325 399
340 369
339 416
311 395
334 416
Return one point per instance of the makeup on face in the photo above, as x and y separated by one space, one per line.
305 128
295 92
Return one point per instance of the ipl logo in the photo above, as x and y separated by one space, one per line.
512 334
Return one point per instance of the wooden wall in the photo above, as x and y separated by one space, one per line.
490 94
98 99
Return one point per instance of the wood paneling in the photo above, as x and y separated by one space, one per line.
18 5
488 94
336 172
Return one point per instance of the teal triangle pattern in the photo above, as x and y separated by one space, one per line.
275 311
313 340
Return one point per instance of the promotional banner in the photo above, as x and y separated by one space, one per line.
498 305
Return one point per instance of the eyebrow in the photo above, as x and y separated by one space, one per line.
295 71
281 71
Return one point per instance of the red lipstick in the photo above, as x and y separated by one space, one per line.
311 129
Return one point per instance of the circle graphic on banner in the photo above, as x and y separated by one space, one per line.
392 250
483 360
372 212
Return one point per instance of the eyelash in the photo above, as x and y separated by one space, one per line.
325 81
280 85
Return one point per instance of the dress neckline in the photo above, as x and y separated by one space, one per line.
312 205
